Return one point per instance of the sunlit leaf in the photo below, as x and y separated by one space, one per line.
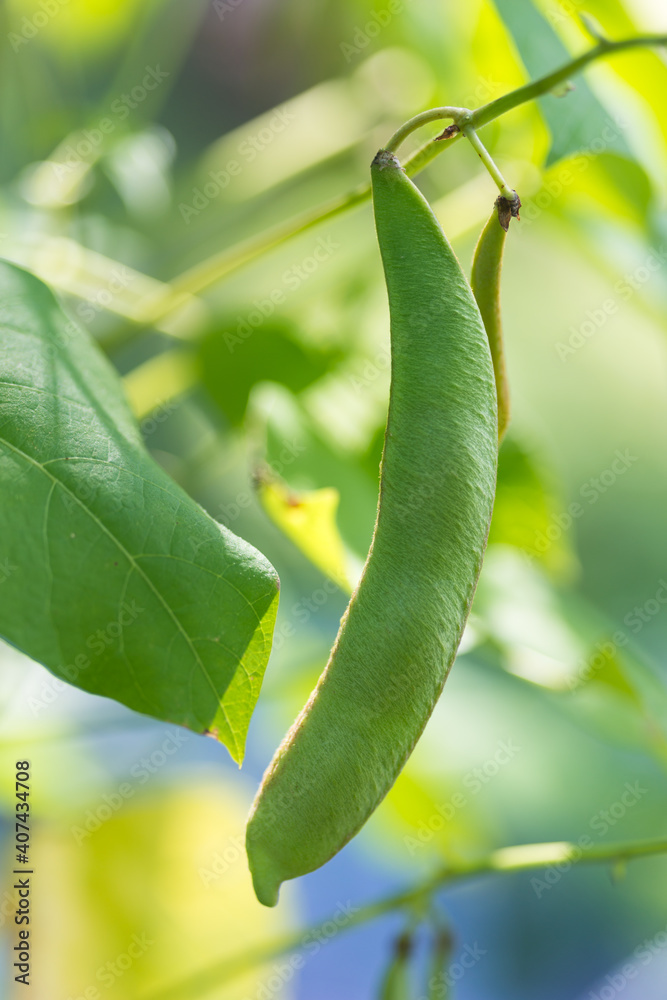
152 886
309 520
296 450
114 578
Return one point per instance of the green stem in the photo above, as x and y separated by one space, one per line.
457 115
537 88
214 268
217 267
484 155
507 859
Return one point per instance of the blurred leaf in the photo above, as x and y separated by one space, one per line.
145 886
120 583
552 638
574 120
631 182
297 450
234 358
157 381
441 816
524 508
621 186
309 520
610 673
521 613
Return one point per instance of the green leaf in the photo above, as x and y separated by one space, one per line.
236 356
114 578
576 120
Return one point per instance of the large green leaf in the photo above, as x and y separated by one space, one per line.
576 121
114 578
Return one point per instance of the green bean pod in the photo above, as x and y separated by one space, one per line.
400 632
485 282
439 980
396 984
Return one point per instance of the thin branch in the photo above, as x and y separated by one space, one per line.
537 88
459 116
217 267
508 859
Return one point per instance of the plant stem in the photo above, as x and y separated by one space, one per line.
508 859
214 268
458 115
484 155
537 88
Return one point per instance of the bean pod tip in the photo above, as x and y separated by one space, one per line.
265 880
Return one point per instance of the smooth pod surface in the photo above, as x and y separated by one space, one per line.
399 635
487 267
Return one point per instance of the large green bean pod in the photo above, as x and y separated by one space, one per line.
403 625
487 266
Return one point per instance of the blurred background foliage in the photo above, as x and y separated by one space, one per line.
139 139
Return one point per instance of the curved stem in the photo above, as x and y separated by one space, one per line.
457 115
217 267
507 859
